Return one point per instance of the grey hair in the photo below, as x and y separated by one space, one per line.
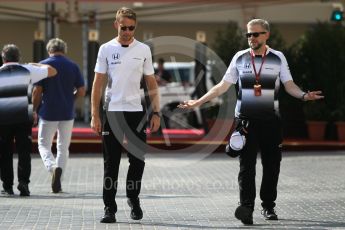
263 23
56 45
10 53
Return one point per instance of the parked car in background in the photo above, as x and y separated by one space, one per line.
181 88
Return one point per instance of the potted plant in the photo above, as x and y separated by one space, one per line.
316 116
322 73
338 115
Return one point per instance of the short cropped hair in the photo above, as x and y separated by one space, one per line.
10 53
56 45
127 13
263 23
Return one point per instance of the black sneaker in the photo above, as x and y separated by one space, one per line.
24 189
109 216
7 191
269 214
56 180
244 214
136 212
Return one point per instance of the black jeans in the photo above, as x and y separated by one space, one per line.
265 136
21 134
115 126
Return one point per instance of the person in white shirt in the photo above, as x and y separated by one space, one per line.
122 62
258 71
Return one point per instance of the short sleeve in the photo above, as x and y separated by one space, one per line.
231 74
37 73
148 67
79 80
38 83
101 63
285 74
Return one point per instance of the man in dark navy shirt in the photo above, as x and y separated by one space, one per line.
54 101
15 116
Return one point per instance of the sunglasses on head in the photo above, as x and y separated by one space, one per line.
130 28
254 34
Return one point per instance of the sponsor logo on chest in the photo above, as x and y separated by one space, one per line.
115 59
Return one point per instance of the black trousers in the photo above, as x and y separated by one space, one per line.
20 134
266 137
115 126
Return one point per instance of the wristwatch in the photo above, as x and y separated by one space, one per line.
303 95
157 114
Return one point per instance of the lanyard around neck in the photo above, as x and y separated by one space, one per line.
257 74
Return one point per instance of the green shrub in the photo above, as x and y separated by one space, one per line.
320 58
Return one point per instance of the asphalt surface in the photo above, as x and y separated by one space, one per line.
182 191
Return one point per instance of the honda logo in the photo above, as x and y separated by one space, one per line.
116 56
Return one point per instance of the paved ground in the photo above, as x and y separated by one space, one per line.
184 191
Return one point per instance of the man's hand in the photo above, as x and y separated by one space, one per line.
96 124
96 94
155 123
190 104
313 95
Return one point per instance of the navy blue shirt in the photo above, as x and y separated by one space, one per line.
58 98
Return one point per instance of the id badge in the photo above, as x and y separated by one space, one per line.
257 90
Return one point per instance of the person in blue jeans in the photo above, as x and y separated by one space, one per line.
54 103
